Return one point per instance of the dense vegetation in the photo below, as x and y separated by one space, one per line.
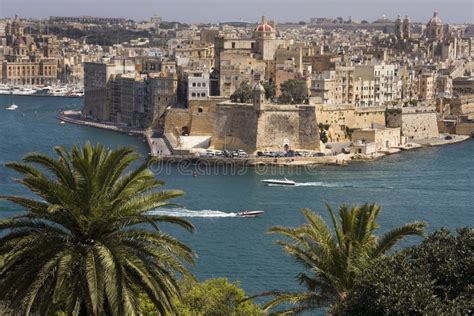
104 36
334 261
270 90
78 248
293 92
243 94
213 297
434 278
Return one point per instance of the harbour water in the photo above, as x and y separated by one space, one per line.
431 184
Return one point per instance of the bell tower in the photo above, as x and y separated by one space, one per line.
398 28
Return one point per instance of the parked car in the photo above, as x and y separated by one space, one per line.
328 146
260 154
242 154
346 150
319 154
448 137
290 153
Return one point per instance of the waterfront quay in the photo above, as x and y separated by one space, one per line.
159 146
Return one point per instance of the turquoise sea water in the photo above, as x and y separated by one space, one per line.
434 184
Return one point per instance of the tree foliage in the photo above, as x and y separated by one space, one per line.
433 278
270 90
81 245
334 260
323 132
293 92
213 297
243 94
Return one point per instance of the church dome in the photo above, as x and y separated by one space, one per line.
435 20
264 26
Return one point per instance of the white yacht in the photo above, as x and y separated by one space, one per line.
58 91
4 89
24 91
12 107
283 181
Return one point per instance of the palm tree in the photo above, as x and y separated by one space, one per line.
334 260
82 245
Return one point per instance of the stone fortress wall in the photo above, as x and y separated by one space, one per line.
293 126
342 116
235 127
418 122
176 120
202 115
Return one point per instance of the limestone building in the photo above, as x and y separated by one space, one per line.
27 60
98 90
435 28
116 92
384 138
197 85
237 67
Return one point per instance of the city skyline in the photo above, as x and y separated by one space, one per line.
192 12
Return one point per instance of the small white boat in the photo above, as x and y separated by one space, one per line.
249 213
62 122
12 107
283 181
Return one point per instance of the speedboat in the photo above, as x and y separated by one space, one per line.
249 213
12 107
283 181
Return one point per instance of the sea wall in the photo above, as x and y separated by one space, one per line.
290 126
465 128
235 127
415 122
341 116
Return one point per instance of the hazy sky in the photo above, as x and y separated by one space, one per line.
248 10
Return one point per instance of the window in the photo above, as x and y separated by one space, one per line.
193 94
199 110
203 84
194 84
203 94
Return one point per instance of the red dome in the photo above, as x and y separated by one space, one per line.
264 28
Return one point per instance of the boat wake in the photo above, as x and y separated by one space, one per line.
314 184
183 212
324 184
331 185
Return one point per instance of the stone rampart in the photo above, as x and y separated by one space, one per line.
415 122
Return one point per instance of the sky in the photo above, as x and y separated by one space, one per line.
194 11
